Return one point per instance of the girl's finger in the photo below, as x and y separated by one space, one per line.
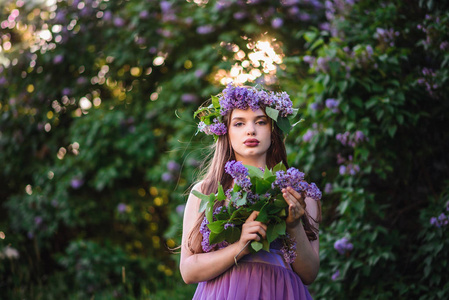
252 216
297 196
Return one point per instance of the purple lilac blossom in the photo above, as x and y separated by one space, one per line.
314 192
218 128
238 171
227 225
289 251
242 98
205 231
307 137
295 179
202 127
336 275
342 245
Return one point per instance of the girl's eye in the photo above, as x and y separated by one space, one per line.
238 124
262 123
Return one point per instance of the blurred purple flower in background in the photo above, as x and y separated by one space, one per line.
342 245
189 98
121 207
76 182
38 220
240 15
107 16
310 133
180 209
173 166
441 220
342 170
328 188
58 59
167 177
205 29
81 80
336 275
144 14
119 22
200 73
66 91
277 23
332 104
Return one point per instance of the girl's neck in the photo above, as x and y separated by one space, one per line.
259 162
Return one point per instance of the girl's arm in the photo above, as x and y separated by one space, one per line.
205 266
307 262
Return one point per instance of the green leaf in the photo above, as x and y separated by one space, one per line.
392 130
200 195
280 228
262 186
284 124
279 167
221 194
280 203
254 171
210 212
265 245
263 214
257 246
215 102
217 226
232 234
215 238
241 201
271 233
272 113
267 173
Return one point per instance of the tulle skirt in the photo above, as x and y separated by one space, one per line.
263 275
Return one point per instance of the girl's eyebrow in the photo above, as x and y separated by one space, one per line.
257 117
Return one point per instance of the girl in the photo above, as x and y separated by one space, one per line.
244 132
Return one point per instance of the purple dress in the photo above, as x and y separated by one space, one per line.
263 275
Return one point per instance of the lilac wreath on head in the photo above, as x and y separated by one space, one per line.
278 107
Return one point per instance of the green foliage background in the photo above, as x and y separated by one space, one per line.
91 197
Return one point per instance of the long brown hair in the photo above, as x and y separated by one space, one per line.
222 152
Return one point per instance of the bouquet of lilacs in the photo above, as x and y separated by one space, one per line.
255 189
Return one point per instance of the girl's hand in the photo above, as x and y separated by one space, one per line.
251 231
296 206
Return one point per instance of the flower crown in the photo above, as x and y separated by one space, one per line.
278 107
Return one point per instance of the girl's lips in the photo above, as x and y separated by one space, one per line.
251 142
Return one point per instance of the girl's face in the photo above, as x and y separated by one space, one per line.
250 136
